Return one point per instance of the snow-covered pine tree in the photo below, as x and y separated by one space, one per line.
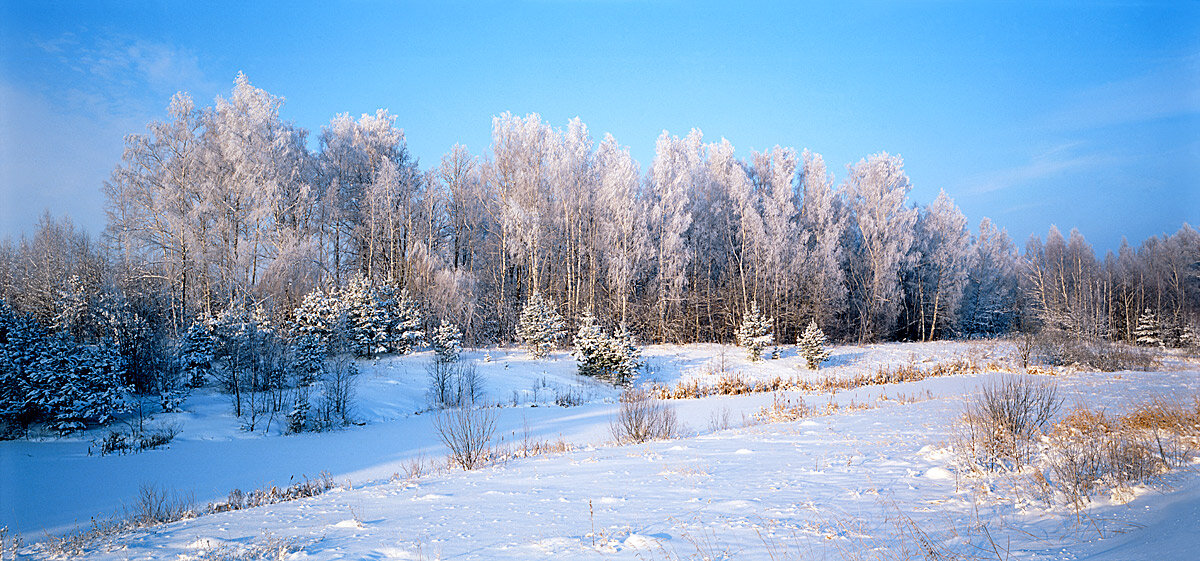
317 315
195 353
628 357
812 346
364 321
447 342
308 359
593 348
1148 333
755 332
409 331
540 327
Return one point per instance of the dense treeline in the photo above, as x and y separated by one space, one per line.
226 208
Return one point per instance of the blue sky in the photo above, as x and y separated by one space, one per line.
1079 115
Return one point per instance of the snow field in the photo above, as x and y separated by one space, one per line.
811 488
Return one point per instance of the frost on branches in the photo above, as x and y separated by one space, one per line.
812 346
1148 332
755 333
447 342
540 327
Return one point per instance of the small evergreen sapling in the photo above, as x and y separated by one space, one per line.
1148 332
408 332
592 348
812 346
196 353
447 342
611 357
317 316
628 355
755 333
540 327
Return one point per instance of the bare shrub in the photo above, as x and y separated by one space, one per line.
782 410
1001 422
642 417
159 506
337 390
467 433
721 419
1090 450
1059 348
118 441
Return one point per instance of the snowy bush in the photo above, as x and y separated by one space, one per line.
407 331
642 417
317 316
755 333
812 346
1001 424
540 327
363 319
447 342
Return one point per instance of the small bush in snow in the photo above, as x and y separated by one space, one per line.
467 433
755 333
642 417
812 346
1001 424
540 327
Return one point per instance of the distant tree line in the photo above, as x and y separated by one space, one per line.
226 208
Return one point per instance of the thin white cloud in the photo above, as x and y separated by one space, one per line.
1049 163
119 77
61 138
1169 90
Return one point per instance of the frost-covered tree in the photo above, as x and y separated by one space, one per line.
195 353
990 294
882 234
1148 332
622 238
540 327
678 169
780 251
944 256
755 332
812 346
823 225
447 342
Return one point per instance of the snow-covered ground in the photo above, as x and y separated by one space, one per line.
851 481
